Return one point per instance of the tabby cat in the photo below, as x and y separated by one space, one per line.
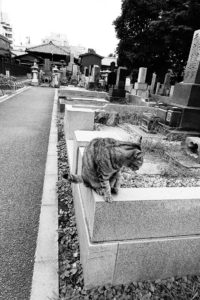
102 161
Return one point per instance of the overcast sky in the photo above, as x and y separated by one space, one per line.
85 22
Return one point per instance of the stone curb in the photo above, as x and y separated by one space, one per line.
45 274
6 97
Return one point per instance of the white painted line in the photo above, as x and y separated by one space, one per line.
45 274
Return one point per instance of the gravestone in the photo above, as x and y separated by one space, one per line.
142 75
118 90
167 83
141 87
71 63
47 65
153 83
186 94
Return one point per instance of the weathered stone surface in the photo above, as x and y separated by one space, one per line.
98 260
192 71
142 75
144 213
186 94
81 92
140 86
76 119
157 259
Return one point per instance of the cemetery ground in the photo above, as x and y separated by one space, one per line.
166 172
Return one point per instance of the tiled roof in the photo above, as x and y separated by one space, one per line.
50 48
88 54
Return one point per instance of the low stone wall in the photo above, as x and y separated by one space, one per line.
145 234
81 92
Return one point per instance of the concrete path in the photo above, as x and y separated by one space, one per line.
24 132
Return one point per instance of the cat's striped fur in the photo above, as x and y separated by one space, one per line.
102 161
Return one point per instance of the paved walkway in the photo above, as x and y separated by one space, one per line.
24 132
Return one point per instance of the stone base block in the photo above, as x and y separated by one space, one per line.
117 93
140 86
91 103
153 259
98 260
186 94
81 92
143 213
76 119
122 262
190 119
35 83
142 93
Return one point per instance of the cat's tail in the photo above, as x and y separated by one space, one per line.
73 178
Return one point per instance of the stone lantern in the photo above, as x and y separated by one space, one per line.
55 77
34 69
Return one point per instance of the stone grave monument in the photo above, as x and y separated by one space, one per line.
71 63
118 90
94 78
186 95
140 87
153 83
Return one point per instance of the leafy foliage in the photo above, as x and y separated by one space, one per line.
156 34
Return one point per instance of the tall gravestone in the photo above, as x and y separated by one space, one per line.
117 91
186 94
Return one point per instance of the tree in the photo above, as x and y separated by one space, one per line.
156 34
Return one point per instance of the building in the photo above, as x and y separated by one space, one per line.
5 48
88 60
49 52
5 27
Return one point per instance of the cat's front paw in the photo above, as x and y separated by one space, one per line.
108 198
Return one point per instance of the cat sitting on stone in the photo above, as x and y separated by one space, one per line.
102 161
